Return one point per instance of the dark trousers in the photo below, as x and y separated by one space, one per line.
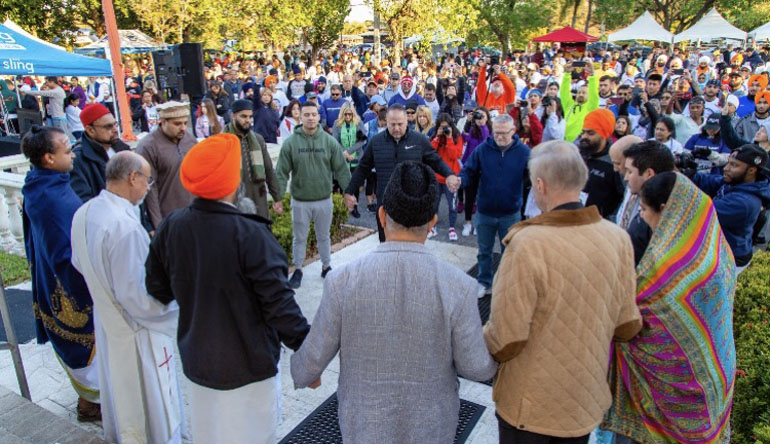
467 197
511 435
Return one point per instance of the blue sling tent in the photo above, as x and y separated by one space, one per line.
22 54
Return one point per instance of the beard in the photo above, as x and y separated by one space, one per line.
588 147
241 128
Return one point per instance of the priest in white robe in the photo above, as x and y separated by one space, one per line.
136 333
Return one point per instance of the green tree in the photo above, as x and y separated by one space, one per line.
351 28
46 19
326 22
512 22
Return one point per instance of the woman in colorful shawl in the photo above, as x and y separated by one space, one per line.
673 383
61 302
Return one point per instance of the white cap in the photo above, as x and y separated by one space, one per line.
732 99
704 59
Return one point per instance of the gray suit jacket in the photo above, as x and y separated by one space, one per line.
406 324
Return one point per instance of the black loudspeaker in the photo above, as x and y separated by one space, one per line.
10 145
189 60
165 70
27 118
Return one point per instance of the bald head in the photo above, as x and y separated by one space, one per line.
129 176
617 149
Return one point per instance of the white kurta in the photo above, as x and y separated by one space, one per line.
134 332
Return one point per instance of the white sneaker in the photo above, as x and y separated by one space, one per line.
452 235
467 228
482 291
432 233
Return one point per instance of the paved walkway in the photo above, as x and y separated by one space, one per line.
51 389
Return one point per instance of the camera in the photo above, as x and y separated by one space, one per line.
547 101
478 115
686 164
447 131
523 104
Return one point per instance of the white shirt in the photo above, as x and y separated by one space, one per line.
73 118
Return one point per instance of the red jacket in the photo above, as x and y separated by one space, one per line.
535 135
450 152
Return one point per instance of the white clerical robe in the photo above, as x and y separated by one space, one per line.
134 332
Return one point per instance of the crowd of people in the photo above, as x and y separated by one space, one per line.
626 192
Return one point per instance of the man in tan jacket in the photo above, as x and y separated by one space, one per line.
565 288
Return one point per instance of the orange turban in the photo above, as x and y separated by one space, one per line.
270 81
600 120
212 168
762 94
761 78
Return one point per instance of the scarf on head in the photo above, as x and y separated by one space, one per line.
673 383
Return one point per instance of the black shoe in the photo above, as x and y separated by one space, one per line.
325 271
372 208
355 212
296 279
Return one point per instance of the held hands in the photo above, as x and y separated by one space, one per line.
350 201
453 183
278 207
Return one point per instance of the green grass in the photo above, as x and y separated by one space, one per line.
13 268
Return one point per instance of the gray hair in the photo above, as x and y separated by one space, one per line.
559 164
122 164
503 119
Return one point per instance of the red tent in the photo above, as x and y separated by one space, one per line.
566 34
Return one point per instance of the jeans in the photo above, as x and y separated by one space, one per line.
451 200
486 229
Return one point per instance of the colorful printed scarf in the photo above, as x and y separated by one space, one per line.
674 381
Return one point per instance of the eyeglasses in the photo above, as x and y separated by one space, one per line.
411 112
109 126
335 95
502 133
150 180
348 114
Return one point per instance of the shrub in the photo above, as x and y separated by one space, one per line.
751 398
282 224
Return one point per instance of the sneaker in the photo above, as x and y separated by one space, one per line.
371 207
452 234
355 212
482 291
467 228
325 271
432 233
296 279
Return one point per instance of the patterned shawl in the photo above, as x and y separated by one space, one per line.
674 381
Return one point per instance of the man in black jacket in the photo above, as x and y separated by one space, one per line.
605 187
389 148
228 274
643 161
99 142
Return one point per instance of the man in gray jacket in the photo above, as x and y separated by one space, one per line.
408 331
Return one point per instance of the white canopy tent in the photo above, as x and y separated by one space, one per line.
761 33
643 28
711 26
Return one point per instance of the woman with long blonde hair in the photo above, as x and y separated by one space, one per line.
349 132
208 123
424 121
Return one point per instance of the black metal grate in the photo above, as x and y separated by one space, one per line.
322 426
22 315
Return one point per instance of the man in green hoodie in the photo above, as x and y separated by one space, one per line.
313 158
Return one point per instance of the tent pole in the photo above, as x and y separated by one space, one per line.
118 75
117 111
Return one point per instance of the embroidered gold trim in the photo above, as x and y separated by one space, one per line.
66 310
84 339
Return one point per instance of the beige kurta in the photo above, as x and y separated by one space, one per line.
165 158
